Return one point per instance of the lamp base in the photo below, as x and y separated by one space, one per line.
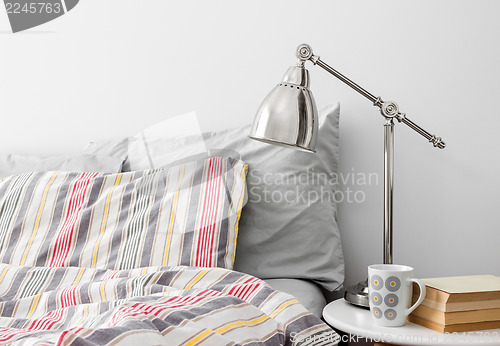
358 294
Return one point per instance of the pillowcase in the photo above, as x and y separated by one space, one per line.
288 228
185 215
17 164
129 148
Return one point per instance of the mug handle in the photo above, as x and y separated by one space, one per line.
420 298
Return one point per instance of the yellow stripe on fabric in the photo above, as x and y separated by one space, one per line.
198 338
172 216
34 304
106 211
196 279
103 294
38 217
79 276
85 313
283 306
241 323
4 272
225 328
240 206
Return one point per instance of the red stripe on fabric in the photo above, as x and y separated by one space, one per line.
212 214
176 302
143 309
244 291
251 289
233 291
198 244
182 301
214 218
206 229
47 321
110 274
67 241
9 333
74 330
62 243
68 296
254 286
211 293
200 250
207 212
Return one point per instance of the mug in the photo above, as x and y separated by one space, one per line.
390 292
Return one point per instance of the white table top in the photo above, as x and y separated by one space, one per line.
358 321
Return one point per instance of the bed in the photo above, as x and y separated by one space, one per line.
101 249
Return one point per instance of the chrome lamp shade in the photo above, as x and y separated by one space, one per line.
288 115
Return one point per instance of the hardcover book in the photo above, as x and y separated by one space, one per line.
461 293
459 304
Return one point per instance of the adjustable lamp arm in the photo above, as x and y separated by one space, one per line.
389 110
358 295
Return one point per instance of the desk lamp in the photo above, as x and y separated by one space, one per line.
288 117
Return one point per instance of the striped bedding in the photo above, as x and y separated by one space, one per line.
150 306
136 258
183 215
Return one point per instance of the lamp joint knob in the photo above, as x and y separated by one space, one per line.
437 142
390 110
304 52
378 102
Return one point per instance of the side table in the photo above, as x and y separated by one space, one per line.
358 322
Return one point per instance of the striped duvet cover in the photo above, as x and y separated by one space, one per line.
150 306
138 258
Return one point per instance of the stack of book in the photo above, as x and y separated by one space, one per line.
459 304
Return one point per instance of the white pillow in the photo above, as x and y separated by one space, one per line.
18 164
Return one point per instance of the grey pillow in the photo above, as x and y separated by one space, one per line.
288 228
18 164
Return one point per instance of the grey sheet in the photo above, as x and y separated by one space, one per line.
306 292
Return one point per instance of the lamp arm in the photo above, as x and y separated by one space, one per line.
389 110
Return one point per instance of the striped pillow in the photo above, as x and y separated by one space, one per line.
183 215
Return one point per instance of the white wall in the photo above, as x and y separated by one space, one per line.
109 68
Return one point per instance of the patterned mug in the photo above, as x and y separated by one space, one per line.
390 289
